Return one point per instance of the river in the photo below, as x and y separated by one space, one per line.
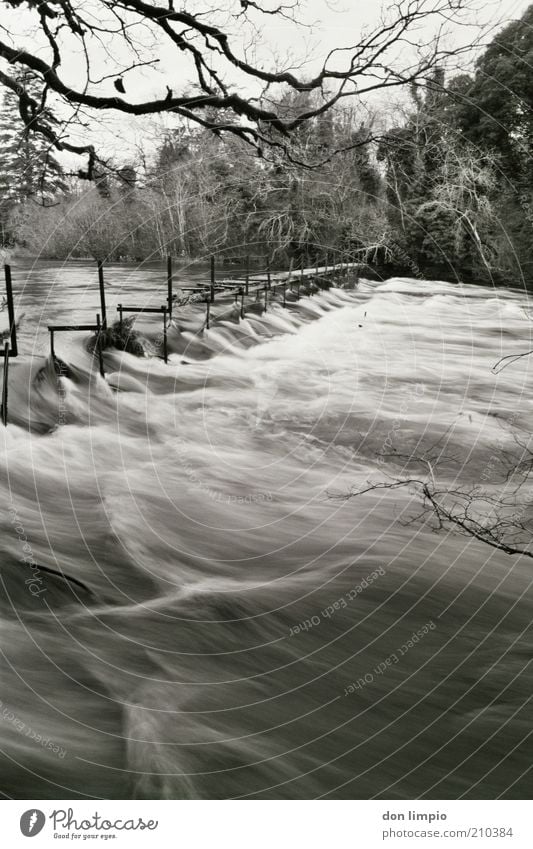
231 625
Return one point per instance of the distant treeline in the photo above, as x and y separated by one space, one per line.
447 191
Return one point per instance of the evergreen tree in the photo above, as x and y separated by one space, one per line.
28 168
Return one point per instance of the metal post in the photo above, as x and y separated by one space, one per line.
102 293
4 384
269 279
266 298
208 313
315 280
285 294
52 351
165 340
247 282
99 328
212 287
326 266
11 311
120 317
169 285
241 293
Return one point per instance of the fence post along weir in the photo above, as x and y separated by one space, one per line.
162 310
99 328
169 286
13 349
5 384
213 280
10 346
71 328
101 285
247 284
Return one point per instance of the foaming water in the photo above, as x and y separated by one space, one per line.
221 601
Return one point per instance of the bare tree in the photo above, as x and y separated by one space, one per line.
215 43
500 516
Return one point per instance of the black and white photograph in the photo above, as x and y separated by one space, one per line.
266 460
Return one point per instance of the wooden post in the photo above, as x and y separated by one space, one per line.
326 261
247 273
11 312
269 279
99 328
120 317
207 313
169 285
4 384
102 293
165 340
241 293
266 298
212 286
285 294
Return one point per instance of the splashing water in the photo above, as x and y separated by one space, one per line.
227 626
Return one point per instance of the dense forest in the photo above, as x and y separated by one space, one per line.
443 187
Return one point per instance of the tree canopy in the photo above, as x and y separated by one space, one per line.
226 89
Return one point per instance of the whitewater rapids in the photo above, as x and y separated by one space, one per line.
225 612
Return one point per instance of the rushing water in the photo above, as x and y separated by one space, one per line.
229 625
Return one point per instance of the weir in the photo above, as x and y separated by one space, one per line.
257 290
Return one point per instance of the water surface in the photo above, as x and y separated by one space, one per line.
229 623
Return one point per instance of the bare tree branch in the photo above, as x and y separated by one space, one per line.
133 29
